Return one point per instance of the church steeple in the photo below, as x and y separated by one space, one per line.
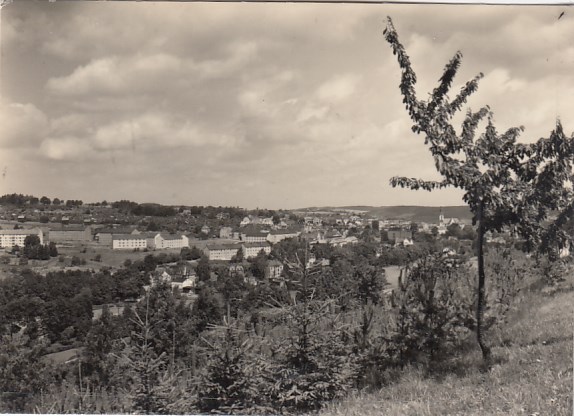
440 217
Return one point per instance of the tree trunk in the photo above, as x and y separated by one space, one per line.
486 353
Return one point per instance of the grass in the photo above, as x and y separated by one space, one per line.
531 375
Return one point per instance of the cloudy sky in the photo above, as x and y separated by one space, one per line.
255 105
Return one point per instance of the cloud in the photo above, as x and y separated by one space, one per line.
148 73
21 125
66 149
338 88
152 131
145 134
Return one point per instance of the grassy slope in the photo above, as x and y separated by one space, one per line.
532 375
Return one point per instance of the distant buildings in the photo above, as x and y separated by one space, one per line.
397 235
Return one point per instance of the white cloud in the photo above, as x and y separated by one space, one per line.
21 125
145 134
148 73
338 88
66 149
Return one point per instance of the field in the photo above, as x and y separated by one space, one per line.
532 373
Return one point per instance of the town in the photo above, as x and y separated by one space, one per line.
103 236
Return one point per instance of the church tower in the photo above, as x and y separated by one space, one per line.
441 217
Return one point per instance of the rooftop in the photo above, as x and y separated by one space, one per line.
127 237
223 246
21 231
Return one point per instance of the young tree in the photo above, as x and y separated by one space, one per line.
506 184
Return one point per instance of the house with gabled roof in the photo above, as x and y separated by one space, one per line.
274 269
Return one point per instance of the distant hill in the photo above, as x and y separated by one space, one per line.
405 212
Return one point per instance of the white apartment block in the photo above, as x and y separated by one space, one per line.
254 237
163 241
276 236
253 249
11 238
223 252
128 242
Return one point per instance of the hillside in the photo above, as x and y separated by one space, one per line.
405 212
532 374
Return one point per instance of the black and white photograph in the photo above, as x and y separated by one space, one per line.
283 208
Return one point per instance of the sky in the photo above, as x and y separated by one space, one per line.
269 105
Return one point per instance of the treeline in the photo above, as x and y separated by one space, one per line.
20 200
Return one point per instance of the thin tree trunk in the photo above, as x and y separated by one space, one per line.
486 353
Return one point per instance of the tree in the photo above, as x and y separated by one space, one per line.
454 230
276 219
258 265
203 268
208 309
23 374
506 184
56 201
233 381
45 200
